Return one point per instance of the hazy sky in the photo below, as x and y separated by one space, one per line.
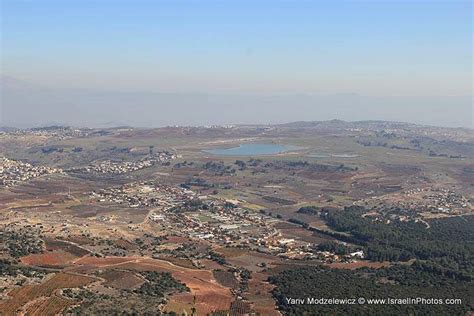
377 49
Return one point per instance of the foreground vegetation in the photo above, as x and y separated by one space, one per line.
397 282
446 246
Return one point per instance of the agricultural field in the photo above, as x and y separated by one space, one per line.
46 292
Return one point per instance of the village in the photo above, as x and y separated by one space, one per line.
13 172
416 205
436 200
57 132
121 167
216 221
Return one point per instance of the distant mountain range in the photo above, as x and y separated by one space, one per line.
25 104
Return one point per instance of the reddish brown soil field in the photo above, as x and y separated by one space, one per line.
211 265
125 244
80 240
50 306
259 294
59 253
53 244
225 278
28 293
102 262
251 260
186 263
230 252
240 308
205 303
210 295
301 234
49 259
121 279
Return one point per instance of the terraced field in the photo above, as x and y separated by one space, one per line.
45 292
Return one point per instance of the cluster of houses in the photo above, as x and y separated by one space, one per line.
58 132
329 257
238 227
214 220
433 200
144 194
121 167
445 200
230 226
12 171
227 224
417 204
217 221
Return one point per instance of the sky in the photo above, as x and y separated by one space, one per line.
312 60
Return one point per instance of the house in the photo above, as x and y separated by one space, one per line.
358 254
